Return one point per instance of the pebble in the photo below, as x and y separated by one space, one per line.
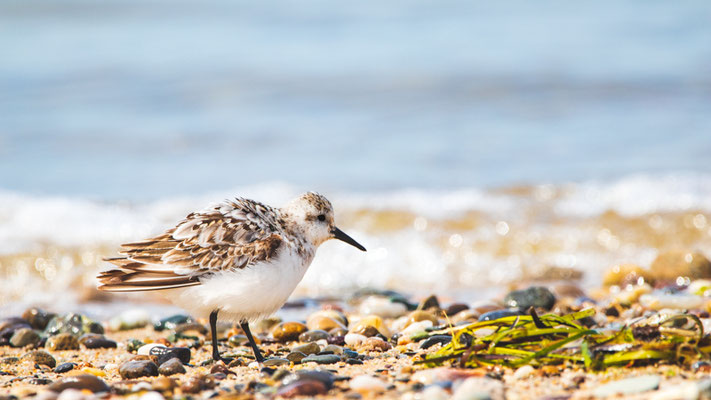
523 372
626 274
295 357
96 341
323 323
305 374
382 306
275 362
429 302
465 316
288 331
371 321
376 344
672 264
80 382
146 348
314 335
151 396
171 322
336 315
129 319
367 383
25 337
237 340
535 296
37 317
197 383
434 392
416 327
64 367
492 315
40 357
137 369
133 345
479 388
171 367
191 328
435 339
354 339
309 348
321 358
306 387
76 324
163 384
455 308
166 353
62 341
628 386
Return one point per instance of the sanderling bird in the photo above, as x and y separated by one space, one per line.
240 258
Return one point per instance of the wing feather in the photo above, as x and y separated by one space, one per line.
231 235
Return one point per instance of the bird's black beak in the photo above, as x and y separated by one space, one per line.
340 235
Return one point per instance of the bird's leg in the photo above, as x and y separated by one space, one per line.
257 354
213 329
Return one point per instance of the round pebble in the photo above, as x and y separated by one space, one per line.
80 382
354 339
96 341
64 367
25 337
321 359
376 344
309 348
275 361
314 335
137 369
62 341
37 317
323 323
535 296
333 349
628 386
367 383
171 367
166 353
40 357
171 322
302 388
288 331
295 357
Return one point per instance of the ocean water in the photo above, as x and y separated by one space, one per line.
468 145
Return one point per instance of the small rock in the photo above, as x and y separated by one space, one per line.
76 324
416 328
40 357
479 388
166 353
382 306
492 315
145 349
367 383
535 296
354 339
238 340
628 386
96 341
288 331
306 387
295 357
465 316
163 384
197 384
322 376
334 314
137 369
64 367
376 344
419 316
62 341
429 302
321 359
25 337
133 345
275 362
658 300
80 382
190 327
314 335
435 339
37 317
309 348
523 372
365 326
684 391
672 264
323 323
455 308
171 322
434 392
171 367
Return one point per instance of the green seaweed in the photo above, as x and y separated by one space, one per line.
552 339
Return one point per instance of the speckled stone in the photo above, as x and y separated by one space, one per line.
309 348
137 369
37 317
275 362
40 357
535 296
25 337
295 357
321 359
96 341
62 341
171 367
288 331
314 335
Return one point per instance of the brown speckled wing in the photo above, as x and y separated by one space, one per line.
231 235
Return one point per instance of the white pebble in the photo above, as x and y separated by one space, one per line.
354 339
382 306
685 391
416 327
152 395
477 388
322 343
73 394
434 392
523 372
146 348
367 383
254 365
141 386
658 301
109 367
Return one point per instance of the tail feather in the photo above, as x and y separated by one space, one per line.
117 280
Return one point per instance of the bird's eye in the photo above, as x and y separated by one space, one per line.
321 217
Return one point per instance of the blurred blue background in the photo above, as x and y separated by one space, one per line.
142 99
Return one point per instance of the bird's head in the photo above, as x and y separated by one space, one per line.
313 214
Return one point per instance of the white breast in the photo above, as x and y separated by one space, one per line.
250 293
